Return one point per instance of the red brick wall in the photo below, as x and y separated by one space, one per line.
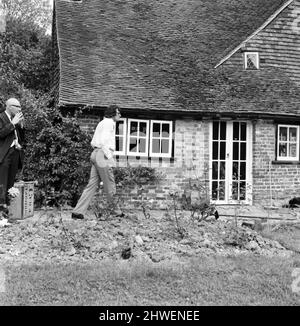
191 153
285 178
192 157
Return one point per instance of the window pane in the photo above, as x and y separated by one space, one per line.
221 190
243 131
243 151
215 170
156 146
293 134
165 146
282 150
235 151
142 145
143 129
243 190
119 128
216 130
251 61
236 131
223 131
156 130
222 170
119 144
235 190
133 128
165 130
214 194
235 171
215 150
293 150
283 134
133 145
242 171
222 150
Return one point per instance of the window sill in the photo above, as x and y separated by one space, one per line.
286 162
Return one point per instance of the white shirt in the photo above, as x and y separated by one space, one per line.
104 137
16 140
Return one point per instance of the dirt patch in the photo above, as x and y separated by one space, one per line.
53 235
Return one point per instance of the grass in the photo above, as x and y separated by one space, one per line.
216 280
288 235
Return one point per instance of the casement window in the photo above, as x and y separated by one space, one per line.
144 138
288 143
251 60
121 137
137 137
160 138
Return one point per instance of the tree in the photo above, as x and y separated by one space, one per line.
28 11
25 58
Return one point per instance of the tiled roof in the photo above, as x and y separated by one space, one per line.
160 54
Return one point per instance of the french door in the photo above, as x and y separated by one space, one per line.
231 162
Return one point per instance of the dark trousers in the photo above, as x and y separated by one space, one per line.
8 171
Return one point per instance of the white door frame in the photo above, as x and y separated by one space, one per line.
229 163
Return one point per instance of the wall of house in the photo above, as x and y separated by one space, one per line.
273 183
277 181
190 159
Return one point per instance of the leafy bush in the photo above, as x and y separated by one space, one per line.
135 175
57 156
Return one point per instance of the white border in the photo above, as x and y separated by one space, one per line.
287 158
256 60
170 123
123 152
128 138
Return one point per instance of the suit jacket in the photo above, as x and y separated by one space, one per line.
7 135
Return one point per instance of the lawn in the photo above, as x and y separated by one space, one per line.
216 280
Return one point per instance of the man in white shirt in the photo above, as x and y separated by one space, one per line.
11 153
102 160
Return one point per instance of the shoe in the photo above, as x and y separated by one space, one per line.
4 208
77 216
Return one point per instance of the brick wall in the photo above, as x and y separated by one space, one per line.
190 155
282 179
88 123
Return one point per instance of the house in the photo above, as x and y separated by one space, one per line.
207 89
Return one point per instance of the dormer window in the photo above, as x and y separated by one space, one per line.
251 60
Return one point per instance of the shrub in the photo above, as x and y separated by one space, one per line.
135 175
57 156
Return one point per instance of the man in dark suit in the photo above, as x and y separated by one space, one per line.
11 148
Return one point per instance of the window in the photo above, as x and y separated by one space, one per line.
251 60
288 143
121 137
161 138
137 137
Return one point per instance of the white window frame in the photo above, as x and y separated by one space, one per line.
128 138
123 151
170 123
256 61
287 158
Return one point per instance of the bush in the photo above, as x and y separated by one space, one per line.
138 175
57 156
